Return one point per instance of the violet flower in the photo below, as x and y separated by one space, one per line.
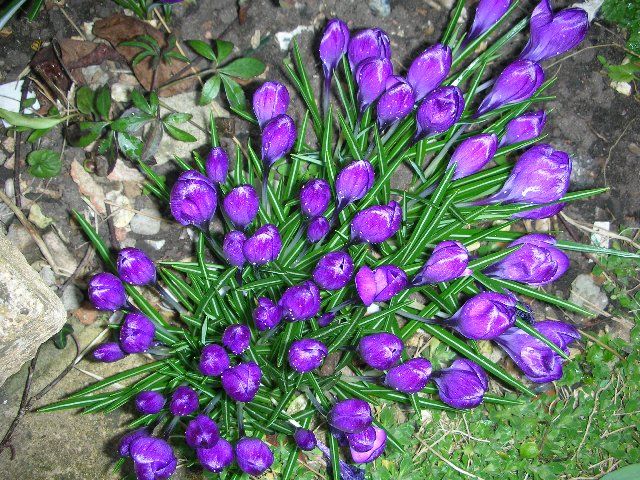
380 350
278 137
106 292
202 432
333 271
306 354
269 101
448 261
184 401
136 333
128 438
362 441
318 229
253 456
462 385
267 314
370 43
376 224
135 267
236 338
485 316
429 69
232 248
108 352
213 360
381 284
153 458
350 416
473 154
333 46
242 382
193 199
305 439
300 302
315 196
523 128
560 333
371 77
217 165
378 447
395 103
216 458
263 246
410 376
488 12
325 319
439 111
149 402
353 182
241 205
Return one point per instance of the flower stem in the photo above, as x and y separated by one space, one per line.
240 418
168 299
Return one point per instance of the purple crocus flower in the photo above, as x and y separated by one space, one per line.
395 103
519 81
232 247
333 45
278 137
193 199
135 267
353 182
242 382
542 212
376 224
236 338
381 284
560 333
300 302
136 333
306 354
462 385
350 416
315 196
149 402
269 101
448 261
347 471
253 456
362 441
267 314
551 35
213 360
473 154
380 350
377 448
488 12
439 111
410 376
153 458
537 262
325 319
202 432
305 439
241 205
108 352
333 271
216 458
263 246
318 229
106 292
128 438
485 316
184 401
217 165
429 69
370 43
371 77
523 128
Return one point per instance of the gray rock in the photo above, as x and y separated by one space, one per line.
586 293
30 311
47 275
65 261
381 8
147 222
19 236
72 298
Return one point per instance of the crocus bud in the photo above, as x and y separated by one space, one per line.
253 456
128 438
267 314
153 458
149 402
462 385
473 154
350 416
447 262
217 165
135 267
381 284
485 316
193 199
362 441
429 69
318 229
306 354
376 224
333 271
439 111
488 12
370 43
236 338
263 246
305 439
108 352
216 458
325 319
560 333
371 77
519 81
380 350
242 382
315 196
136 333
232 247
269 101
353 182
278 137
537 262
523 128
542 212
377 448
333 45
300 302
409 377
106 292
213 360
395 103
184 401
202 432
551 35
241 205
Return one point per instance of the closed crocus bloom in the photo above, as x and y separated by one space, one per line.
216 458
217 165
236 338
263 246
362 441
371 77
153 458
439 111
370 43
305 439
376 224
242 382
333 271
462 385
473 154
326 319
350 416
108 352
193 199
542 212
523 128
278 137
301 302
241 205
353 182
106 292
537 262
409 377
488 12
315 196
184 401
429 69
135 267
267 314
333 45
232 247
306 354
377 448
148 402
551 35
485 316
380 350
395 103
213 360
269 101
560 333
318 229
128 438
253 456
381 284
448 261
202 432
519 81
136 333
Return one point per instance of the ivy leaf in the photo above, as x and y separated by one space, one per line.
60 338
84 100
210 90
244 68
224 49
179 134
44 163
203 49
235 95
103 102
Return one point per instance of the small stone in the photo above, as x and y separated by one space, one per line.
8 188
38 218
382 8
121 209
147 222
6 214
86 314
634 148
624 88
88 186
128 242
585 293
47 275
19 236
72 298
255 39
156 244
65 261
120 92
123 173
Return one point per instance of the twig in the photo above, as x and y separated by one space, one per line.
590 419
598 231
17 163
599 343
